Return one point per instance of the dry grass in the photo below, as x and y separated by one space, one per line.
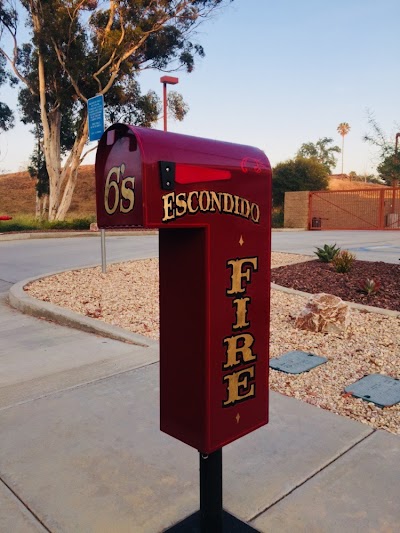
17 194
340 183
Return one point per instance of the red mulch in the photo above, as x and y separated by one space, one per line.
315 277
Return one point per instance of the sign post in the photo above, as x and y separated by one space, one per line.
211 202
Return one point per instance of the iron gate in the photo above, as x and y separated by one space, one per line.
355 209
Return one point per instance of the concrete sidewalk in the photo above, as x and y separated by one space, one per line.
81 449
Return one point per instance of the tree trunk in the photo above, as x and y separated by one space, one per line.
52 149
45 199
70 171
51 122
38 210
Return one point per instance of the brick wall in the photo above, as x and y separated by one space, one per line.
296 209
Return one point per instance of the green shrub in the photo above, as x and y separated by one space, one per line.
277 218
31 224
343 261
327 253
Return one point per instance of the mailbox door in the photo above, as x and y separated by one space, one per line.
119 180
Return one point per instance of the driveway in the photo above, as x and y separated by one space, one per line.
366 245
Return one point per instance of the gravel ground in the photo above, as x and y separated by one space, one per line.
127 296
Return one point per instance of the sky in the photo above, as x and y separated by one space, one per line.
278 74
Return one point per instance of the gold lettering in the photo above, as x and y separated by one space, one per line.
238 274
245 208
241 313
206 195
127 193
227 197
237 200
239 345
169 212
175 206
255 213
238 386
215 201
111 185
192 209
180 203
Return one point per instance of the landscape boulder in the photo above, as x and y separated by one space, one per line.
324 313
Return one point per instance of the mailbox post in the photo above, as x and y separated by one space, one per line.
211 202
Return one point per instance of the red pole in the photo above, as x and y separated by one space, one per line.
172 81
395 181
165 105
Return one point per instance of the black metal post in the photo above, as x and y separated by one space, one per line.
211 514
211 518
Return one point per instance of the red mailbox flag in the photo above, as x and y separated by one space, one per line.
212 204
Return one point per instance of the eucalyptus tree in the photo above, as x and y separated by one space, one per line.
82 48
6 115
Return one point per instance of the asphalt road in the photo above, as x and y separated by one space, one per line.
366 245
22 259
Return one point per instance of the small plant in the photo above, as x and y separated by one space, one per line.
370 286
343 261
327 253
277 217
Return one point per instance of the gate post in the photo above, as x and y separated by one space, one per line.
381 212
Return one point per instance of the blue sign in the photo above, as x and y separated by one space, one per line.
96 117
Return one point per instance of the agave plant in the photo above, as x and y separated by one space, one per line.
370 286
327 252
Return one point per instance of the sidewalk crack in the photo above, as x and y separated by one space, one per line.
25 505
312 475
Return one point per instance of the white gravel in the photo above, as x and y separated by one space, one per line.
127 296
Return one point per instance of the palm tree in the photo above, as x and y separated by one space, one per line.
343 129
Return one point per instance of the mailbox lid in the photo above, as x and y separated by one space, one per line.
200 165
128 165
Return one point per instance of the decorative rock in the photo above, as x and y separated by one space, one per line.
94 227
324 313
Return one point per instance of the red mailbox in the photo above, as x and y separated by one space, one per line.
212 204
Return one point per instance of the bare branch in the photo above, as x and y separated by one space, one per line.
64 66
12 30
86 153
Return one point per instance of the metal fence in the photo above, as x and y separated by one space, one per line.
355 209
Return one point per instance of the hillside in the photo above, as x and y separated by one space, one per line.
339 182
17 192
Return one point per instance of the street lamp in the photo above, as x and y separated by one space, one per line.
165 80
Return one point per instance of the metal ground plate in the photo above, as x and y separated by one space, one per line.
296 362
384 391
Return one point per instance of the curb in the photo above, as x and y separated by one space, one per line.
353 305
65 234
121 233
25 303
